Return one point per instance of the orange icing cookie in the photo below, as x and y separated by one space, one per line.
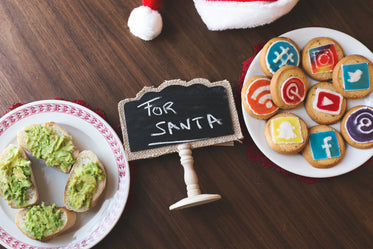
257 99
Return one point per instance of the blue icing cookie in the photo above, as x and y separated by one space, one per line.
356 76
324 145
281 53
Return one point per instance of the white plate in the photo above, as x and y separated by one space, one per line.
296 163
89 131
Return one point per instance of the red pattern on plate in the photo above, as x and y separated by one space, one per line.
116 147
253 153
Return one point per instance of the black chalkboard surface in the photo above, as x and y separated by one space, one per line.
196 112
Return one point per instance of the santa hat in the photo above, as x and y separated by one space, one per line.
146 22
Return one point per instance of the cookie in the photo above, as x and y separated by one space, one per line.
256 98
353 76
286 133
357 127
288 87
325 147
319 57
278 52
324 104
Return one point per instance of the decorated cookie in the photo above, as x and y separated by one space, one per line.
357 127
353 76
319 57
286 133
256 97
288 87
324 104
325 147
278 52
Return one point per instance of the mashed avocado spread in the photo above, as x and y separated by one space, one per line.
56 150
15 176
83 184
42 220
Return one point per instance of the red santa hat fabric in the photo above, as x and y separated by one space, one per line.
146 22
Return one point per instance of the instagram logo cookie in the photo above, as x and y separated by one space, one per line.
353 76
286 133
325 147
324 104
278 52
288 87
320 56
357 127
256 97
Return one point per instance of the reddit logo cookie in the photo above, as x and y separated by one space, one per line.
357 127
256 97
324 104
353 76
320 56
278 52
288 87
286 133
325 147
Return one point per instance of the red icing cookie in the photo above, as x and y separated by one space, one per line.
288 87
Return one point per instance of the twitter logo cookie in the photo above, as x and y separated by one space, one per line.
353 76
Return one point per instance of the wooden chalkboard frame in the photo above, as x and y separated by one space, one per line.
155 152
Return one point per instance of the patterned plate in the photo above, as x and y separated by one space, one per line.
89 131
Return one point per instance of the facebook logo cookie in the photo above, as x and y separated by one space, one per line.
355 76
324 145
281 53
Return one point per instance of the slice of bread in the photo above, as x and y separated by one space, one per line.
32 195
22 141
68 218
84 158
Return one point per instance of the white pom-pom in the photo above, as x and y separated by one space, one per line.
145 23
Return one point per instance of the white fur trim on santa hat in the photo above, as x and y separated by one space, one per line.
145 23
220 15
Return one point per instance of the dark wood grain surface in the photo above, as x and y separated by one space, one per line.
84 50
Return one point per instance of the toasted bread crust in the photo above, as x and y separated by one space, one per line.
32 192
84 158
22 138
67 216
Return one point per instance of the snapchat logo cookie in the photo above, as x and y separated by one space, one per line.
286 133
286 130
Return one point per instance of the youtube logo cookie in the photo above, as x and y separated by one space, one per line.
327 101
324 104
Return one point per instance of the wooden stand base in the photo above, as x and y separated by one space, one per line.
191 180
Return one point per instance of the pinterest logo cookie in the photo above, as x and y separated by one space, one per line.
320 56
256 97
324 104
357 127
353 76
325 147
278 52
286 133
293 91
288 87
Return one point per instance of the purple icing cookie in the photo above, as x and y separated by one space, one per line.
357 127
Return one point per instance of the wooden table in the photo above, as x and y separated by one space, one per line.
84 50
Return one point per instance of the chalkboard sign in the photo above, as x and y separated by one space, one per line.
196 112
